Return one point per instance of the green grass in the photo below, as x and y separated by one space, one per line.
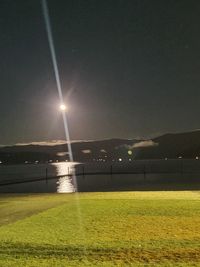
100 229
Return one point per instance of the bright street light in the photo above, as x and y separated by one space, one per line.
63 107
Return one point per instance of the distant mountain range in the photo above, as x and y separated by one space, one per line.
185 145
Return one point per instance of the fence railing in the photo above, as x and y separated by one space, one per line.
82 171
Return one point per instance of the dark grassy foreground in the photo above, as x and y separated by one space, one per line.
100 229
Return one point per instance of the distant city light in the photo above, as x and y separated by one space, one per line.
129 159
120 159
197 157
130 152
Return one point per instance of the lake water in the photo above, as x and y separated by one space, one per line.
28 172
135 175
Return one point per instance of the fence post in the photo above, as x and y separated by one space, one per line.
83 172
46 175
144 172
181 169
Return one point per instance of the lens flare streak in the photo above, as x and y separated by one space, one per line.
55 65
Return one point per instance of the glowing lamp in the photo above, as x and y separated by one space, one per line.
130 152
63 107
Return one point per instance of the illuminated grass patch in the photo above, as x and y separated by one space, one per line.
101 229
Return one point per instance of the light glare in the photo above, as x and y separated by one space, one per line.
63 107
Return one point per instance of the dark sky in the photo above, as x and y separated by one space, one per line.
129 68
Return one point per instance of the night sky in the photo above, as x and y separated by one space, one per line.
129 68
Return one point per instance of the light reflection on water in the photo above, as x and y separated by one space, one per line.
29 172
65 184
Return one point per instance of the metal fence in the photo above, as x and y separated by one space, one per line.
162 169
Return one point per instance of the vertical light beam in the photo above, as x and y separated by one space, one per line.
51 46
55 66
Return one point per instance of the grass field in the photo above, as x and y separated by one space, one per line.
100 229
